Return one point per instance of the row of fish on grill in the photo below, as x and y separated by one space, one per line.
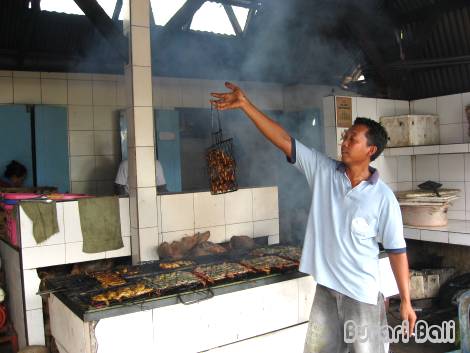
186 274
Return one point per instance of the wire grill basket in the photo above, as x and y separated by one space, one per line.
221 164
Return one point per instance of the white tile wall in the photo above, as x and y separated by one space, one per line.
449 109
53 91
451 133
405 170
424 106
177 212
81 143
265 203
104 93
35 325
105 118
74 253
6 90
274 239
434 236
266 227
42 256
209 210
239 229
82 168
80 92
26 90
239 206
93 102
31 287
367 107
451 167
385 107
427 167
402 107
80 117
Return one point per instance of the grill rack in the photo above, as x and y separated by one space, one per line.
78 299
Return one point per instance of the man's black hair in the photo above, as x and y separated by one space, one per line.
15 168
376 135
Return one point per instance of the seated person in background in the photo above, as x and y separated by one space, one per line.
121 184
14 175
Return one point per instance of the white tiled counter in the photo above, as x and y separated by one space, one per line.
222 320
456 232
251 211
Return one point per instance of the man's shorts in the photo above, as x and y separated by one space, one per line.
340 324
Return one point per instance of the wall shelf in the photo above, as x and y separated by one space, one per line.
431 149
456 232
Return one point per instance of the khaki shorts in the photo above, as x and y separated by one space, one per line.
339 324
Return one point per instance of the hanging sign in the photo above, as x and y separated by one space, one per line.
343 111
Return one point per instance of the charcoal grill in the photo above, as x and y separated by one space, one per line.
76 291
221 164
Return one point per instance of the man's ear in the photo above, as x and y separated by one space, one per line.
372 150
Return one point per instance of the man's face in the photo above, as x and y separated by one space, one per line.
354 148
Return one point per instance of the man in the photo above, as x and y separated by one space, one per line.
121 184
352 211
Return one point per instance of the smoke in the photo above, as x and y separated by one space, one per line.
282 45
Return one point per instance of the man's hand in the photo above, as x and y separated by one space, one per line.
268 127
231 100
408 314
399 264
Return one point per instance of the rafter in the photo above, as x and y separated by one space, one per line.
117 10
105 25
181 20
249 4
233 20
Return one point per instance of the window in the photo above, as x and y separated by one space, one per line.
65 6
163 10
211 17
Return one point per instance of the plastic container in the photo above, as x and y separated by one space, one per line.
411 130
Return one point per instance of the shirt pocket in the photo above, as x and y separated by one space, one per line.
363 228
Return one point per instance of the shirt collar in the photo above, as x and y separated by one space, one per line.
374 173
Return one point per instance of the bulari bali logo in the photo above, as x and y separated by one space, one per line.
423 332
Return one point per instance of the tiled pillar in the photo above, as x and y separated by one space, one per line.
141 143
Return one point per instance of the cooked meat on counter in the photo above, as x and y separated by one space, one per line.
286 251
218 272
128 270
208 248
176 264
268 263
108 279
241 242
179 249
122 293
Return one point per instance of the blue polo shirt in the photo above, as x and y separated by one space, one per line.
345 225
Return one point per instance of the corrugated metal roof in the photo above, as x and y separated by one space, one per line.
291 41
441 63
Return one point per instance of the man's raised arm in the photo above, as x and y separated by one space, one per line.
236 99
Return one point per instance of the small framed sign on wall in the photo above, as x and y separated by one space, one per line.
343 111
